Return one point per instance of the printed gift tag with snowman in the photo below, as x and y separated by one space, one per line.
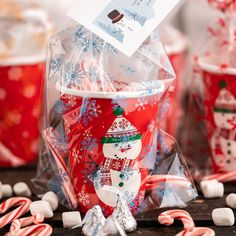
125 24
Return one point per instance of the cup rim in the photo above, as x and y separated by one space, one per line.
26 60
110 95
204 65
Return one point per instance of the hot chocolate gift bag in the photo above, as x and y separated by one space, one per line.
102 125
210 136
25 29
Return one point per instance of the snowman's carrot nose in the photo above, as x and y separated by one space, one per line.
125 149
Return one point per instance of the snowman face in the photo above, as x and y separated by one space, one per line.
125 150
125 24
225 120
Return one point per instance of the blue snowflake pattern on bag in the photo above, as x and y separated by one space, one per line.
89 144
128 69
89 43
89 110
72 74
55 64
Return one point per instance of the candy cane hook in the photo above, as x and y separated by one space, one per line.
23 208
168 217
198 231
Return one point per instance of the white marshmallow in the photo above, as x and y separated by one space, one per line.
212 189
42 207
7 190
231 200
223 217
21 189
71 220
52 199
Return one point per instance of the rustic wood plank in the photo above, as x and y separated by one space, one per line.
200 210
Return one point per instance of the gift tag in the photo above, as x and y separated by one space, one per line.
125 24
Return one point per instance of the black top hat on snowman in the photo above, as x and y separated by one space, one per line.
115 16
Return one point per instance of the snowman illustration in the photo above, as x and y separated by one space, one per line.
129 27
223 142
121 146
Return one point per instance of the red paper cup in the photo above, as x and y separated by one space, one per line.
220 114
177 52
20 93
106 138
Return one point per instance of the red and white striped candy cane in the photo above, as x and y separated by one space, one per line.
155 180
222 177
23 222
168 217
198 231
23 203
34 230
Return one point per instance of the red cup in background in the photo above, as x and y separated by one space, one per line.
20 102
220 114
107 134
176 45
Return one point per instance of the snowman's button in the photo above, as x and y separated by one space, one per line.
122 175
229 144
229 152
228 161
121 184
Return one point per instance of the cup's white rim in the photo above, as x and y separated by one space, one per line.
176 48
27 60
214 68
110 95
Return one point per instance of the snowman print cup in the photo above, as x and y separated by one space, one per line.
106 135
220 107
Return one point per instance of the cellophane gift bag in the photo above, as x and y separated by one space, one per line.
176 46
102 126
25 28
210 135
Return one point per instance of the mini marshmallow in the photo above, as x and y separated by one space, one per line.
42 207
7 190
223 217
21 189
231 200
71 220
52 199
212 189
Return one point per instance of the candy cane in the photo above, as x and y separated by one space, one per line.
67 185
155 181
23 208
222 177
34 230
197 231
168 217
23 222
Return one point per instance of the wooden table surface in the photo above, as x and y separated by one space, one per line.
200 210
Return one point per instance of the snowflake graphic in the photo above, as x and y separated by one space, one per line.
128 69
127 174
3 94
116 165
83 198
123 124
119 101
76 155
29 91
89 110
89 43
89 144
136 203
72 74
15 74
62 175
55 64
142 102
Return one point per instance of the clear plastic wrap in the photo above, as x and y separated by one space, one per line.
210 139
102 126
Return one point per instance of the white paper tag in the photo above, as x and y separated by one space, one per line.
125 24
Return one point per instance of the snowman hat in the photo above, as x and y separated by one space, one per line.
115 16
225 102
121 130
